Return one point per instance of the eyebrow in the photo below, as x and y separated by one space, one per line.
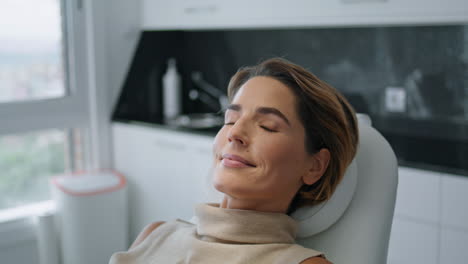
261 110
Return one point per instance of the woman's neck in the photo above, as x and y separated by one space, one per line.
229 202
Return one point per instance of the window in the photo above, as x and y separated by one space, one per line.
43 96
31 50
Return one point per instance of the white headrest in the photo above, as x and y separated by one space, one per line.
315 219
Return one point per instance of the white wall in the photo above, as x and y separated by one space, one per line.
115 27
123 32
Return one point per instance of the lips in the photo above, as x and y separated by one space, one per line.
231 160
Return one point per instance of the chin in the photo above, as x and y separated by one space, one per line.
226 183
219 183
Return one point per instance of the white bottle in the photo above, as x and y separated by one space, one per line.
171 91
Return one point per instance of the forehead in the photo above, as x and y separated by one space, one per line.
266 92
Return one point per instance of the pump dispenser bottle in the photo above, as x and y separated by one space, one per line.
171 92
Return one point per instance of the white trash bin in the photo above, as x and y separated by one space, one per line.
92 215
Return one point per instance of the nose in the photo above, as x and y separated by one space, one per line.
237 134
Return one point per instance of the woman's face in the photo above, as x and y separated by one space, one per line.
259 154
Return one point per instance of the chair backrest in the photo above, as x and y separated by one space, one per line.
361 234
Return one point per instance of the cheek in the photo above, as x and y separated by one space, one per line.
219 141
284 158
281 150
216 150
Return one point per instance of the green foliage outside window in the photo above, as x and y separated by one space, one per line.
26 164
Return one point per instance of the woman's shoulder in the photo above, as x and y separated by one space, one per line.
162 228
316 260
146 232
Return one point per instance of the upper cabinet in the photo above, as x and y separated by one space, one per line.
214 14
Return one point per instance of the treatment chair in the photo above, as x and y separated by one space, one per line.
353 227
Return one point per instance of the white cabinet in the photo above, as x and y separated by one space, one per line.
206 14
413 242
429 225
454 202
168 172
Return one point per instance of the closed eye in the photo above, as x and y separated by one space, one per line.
268 129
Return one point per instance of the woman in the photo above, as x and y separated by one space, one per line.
286 142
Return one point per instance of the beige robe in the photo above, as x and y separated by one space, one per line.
221 236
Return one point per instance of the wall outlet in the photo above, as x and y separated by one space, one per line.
395 99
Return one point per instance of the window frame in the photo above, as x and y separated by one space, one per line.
69 111
73 110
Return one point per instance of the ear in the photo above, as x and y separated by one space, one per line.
318 165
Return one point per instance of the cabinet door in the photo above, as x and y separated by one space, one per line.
167 172
187 14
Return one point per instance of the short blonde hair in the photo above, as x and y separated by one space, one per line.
328 119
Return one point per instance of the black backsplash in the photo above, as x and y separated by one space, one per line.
430 64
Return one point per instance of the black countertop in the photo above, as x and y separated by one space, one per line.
211 132
437 144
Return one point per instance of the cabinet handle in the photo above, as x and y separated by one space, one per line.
170 145
208 9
